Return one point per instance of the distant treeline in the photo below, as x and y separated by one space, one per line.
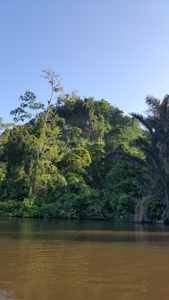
81 158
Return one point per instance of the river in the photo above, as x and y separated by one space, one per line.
85 260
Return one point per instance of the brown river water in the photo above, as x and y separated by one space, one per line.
84 260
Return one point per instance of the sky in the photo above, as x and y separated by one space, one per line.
117 50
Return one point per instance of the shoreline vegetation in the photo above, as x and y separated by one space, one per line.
82 158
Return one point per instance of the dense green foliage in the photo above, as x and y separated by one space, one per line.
81 158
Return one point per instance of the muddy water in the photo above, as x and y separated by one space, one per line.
84 260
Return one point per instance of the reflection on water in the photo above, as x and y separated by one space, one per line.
58 259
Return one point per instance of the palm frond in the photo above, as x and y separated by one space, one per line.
143 121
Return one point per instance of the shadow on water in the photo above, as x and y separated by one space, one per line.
78 259
81 230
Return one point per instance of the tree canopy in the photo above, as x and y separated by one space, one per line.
83 158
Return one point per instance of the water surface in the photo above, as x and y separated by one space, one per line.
84 260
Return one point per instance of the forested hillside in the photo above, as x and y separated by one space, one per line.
82 158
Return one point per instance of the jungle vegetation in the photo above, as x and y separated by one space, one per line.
82 158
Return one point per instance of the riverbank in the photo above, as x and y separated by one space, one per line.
57 210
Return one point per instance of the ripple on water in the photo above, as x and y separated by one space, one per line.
67 261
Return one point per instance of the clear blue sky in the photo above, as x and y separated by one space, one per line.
117 50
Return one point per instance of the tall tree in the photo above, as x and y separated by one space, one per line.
157 151
29 100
